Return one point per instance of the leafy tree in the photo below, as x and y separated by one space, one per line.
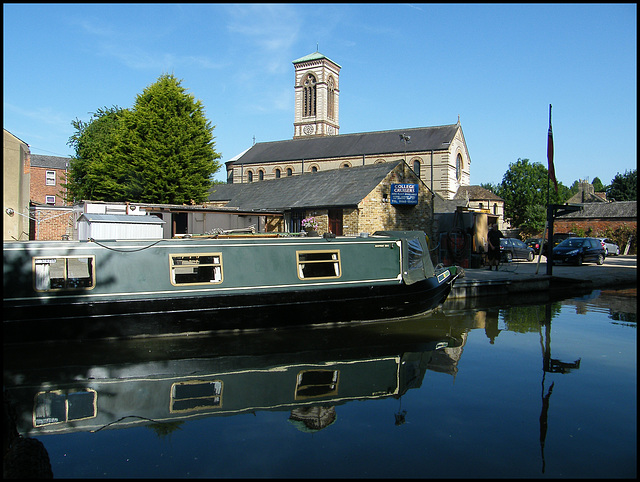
160 151
524 189
490 187
624 187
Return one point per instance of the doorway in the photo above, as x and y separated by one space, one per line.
335 221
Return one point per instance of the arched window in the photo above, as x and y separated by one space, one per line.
277 173
331 98
416 167
346 164
309 96
261 175
459 167
289 172
314 169
249 176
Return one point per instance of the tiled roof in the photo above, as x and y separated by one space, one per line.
620 209
476 193
344 145
333 188
53 162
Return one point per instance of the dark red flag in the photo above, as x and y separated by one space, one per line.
552 171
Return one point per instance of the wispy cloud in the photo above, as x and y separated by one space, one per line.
43 115
136 50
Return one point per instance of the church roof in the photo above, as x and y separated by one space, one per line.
344 145
333 188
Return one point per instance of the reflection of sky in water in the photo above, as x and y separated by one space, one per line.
484 421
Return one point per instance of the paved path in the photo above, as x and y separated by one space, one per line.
522 277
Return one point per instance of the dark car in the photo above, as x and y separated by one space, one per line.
534 243
557 239
512 248
579 250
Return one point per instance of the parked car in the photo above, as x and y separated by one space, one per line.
512 248
557 239
579 250
610 248
534 243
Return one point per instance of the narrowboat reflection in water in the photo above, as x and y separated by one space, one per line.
108 384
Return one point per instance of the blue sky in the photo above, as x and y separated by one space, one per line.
498 67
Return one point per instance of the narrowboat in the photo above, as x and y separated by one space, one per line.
78 290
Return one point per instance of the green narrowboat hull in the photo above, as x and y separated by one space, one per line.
65 290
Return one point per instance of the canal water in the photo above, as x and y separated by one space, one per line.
541 390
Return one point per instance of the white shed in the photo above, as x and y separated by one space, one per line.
119 226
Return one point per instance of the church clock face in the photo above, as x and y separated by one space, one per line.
308 129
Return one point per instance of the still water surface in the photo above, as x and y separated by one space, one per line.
521 391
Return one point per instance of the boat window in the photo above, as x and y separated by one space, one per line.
63 406
196 269
316 383
196 395
318 264
64 273
416 254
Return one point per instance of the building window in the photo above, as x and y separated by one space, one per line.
250 176
346 164
416 167
289 172
314 169
331 98
318 264
277 173
459 167
495 208
309 96
51 178
64 273
480 206
50 200
261 175
196 269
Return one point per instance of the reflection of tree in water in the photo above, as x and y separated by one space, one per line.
312 419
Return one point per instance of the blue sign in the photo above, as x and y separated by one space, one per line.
404 194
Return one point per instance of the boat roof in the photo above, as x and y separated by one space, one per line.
120 218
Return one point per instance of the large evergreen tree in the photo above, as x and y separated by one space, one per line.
160 151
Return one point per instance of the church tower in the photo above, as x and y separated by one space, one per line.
317 94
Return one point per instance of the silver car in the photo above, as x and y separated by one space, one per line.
610 248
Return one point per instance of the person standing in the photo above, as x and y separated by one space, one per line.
493 239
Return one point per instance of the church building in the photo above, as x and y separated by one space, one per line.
438 155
